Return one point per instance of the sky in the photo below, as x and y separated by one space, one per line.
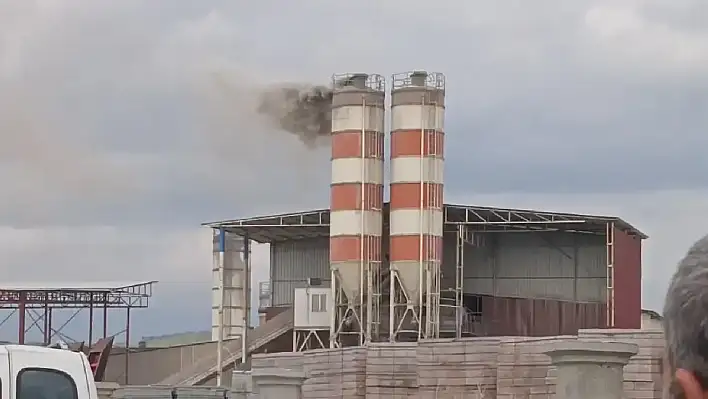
122 125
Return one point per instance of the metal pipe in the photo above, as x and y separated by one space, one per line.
363 256
459 253
46 319
333 315
90 331
127 344
610 275
391 302
421 265
105 315
49 324
220 317
247 302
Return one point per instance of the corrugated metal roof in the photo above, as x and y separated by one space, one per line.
315 223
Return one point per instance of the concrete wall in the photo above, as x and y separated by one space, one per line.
150 366
115 391
503 368
651 321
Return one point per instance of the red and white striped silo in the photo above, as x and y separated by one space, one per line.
356 221
416 203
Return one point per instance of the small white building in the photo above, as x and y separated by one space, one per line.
313 307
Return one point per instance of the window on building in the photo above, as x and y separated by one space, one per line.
319 303
38 383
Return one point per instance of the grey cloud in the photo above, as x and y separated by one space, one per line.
133 117
520 88
653 142
179 259
105 252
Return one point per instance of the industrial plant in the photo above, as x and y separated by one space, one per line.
411 270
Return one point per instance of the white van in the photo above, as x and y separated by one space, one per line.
34 372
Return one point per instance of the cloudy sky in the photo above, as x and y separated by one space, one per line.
121 125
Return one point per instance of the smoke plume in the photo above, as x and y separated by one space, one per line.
303 110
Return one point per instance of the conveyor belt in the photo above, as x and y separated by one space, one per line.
205 368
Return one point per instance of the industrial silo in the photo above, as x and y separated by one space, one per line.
356 221
416 204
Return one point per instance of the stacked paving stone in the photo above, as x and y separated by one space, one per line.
391 370
642 376
499 367
335 373
523 370
464 368
284 360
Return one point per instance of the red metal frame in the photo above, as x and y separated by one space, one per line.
39 303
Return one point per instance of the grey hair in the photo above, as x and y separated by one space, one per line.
686 313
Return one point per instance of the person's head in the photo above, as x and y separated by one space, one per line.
686 326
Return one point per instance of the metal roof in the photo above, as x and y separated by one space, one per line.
76 294
96 287
315 223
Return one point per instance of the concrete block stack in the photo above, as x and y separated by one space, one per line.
283 360
463 368
335 373
106 389
523 370
391 370
493 367
642 376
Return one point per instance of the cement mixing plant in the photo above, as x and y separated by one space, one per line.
412 269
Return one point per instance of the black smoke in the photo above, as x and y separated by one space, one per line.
302 110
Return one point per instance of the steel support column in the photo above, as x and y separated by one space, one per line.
459 279
610 278
22 312
127 345
247 299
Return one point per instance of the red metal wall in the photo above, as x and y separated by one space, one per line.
502 316
628 280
